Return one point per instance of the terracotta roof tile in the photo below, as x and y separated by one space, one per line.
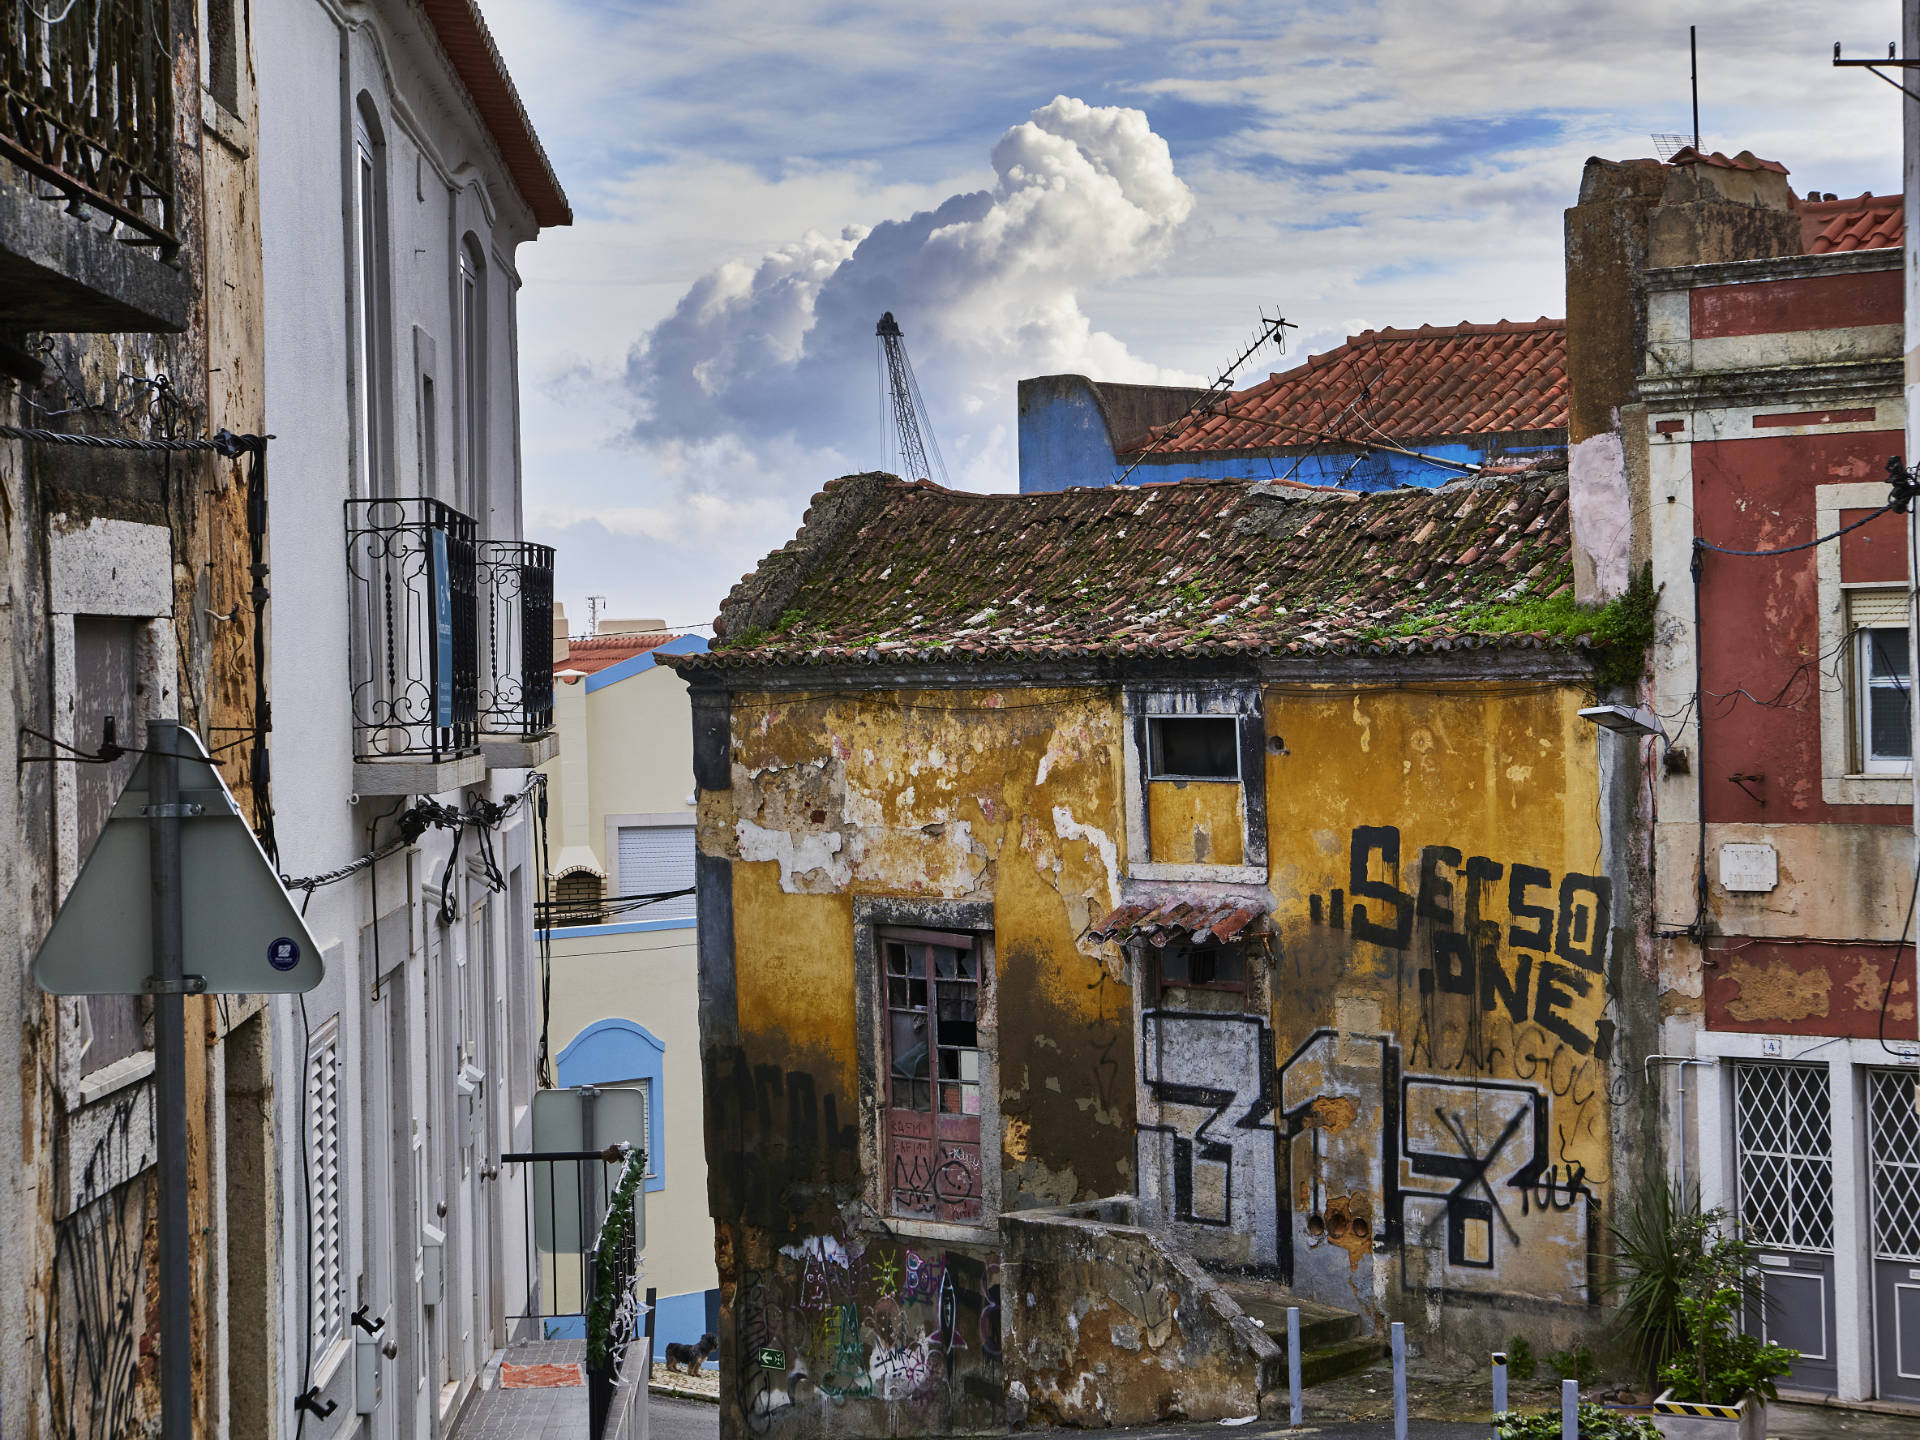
1397 386
596 652
885 570
1745 160
1867 222
1160 921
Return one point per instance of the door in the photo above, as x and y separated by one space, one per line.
405 1376
1893 1151
933 1074
1785 1139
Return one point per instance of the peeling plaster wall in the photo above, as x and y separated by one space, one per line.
1425 1085
1004 805
1445 1007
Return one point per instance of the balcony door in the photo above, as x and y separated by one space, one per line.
933 1074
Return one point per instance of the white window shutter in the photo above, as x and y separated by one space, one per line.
1876 607
326 1237
655 859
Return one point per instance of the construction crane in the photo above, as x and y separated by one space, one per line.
908 443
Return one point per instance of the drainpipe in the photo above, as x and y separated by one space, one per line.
1680 1063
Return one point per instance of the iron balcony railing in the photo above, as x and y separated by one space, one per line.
86 104
410 569
516 637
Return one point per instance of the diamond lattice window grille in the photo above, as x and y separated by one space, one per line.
1785 1121
1893 1122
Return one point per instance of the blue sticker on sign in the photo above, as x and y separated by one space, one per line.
283 954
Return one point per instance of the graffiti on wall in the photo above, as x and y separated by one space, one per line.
1457 1116
852 1316
92 1352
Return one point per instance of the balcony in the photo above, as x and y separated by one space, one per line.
89 220
411 573
515 580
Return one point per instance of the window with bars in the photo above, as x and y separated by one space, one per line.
933 1073
1893 1147
1785 1134
326 1240
656 859
1883 728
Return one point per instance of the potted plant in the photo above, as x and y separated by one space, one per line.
1720 1381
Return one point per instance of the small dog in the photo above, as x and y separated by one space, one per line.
690 1357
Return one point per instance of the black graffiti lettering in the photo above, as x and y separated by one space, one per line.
1436 891
1582 937
1510 993
1453 963
1481 873
1367 839
1556 989
1523 879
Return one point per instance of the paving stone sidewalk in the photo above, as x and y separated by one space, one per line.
547 1413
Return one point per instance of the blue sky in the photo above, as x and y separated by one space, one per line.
1125 187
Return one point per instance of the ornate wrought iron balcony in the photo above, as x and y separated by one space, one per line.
411 573
87 105
516 638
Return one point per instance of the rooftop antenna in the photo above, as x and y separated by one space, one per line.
1273 331
1693 61
908 443
594 602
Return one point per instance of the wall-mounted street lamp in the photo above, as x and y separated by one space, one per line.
1625 719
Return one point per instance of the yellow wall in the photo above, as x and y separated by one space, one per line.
1499 1037
1007 797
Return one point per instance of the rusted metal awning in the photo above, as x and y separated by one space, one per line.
1196 922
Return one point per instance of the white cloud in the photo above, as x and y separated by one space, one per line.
756 184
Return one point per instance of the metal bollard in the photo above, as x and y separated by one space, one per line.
1499 1383
1569 1410
1399 1381
1293 1364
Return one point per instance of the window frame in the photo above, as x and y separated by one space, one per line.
1239 701
1156 748
470 281
1842 780
1161 985
1860 638
368 271
973 921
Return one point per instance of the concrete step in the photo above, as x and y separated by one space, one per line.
1333 1341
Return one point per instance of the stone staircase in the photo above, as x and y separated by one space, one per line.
1106 1322
1333 1342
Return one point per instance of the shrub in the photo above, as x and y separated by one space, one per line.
1596 1423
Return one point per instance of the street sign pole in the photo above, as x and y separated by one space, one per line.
170 1065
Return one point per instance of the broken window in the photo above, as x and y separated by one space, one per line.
1209 967
1193 747
933 1073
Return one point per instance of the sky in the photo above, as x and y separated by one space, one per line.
1111 190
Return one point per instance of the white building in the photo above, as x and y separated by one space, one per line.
626 1002
398 178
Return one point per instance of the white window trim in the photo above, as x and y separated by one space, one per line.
1862 687
1840 782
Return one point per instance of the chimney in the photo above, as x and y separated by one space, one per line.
1637 215
561 650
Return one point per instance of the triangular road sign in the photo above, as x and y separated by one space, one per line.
242 934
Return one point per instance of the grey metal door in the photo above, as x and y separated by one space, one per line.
1893 1151
1785 1139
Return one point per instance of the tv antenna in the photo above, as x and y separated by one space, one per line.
594 602
908 443
1273 331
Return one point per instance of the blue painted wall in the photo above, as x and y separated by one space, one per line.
610 1051
1064 442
